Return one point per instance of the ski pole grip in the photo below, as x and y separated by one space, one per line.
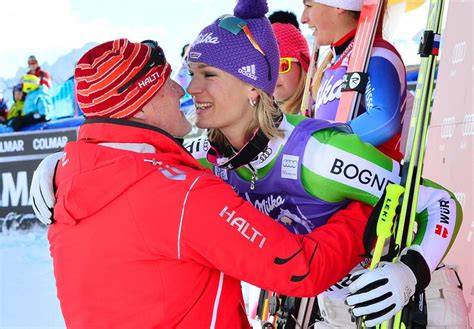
389 209
386 218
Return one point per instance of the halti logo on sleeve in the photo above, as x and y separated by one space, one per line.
243 227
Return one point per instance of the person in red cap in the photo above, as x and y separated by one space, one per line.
294 62
144 236
35 69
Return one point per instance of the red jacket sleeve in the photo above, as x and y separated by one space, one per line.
221 230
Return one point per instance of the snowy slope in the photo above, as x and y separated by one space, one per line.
27 288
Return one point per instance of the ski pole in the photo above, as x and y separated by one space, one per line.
429 50
417 136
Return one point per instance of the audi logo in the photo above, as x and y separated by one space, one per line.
447 127
206 145
468 125
459 52
265 154
290 163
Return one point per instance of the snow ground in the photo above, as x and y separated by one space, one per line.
27 288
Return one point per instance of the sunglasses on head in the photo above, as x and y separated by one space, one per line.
285 64
157 58
235 25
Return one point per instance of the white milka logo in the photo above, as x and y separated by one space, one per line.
248 71
268 204
206 38
328 92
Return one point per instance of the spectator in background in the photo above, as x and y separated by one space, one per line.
294 63
184 50
37 103
3 108
284 17
16 110
183 77
35 69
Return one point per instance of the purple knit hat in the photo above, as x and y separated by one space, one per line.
226 44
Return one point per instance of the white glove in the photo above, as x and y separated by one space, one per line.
42 189
379 294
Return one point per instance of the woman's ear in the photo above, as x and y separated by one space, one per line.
254 94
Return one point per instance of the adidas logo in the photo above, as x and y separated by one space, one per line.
248 71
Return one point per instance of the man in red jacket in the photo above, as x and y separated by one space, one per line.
35 69
144 236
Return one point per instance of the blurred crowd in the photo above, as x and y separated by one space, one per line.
32 99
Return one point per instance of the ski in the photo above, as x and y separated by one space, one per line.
307 108
407 191
356 78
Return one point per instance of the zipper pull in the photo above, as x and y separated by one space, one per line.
254 177
153 162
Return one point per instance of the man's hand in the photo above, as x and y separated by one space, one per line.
42 188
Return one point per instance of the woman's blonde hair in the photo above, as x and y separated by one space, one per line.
318 75
293 104
264 118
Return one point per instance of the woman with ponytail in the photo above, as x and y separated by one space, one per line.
378 122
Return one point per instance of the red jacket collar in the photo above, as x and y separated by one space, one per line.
106 130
